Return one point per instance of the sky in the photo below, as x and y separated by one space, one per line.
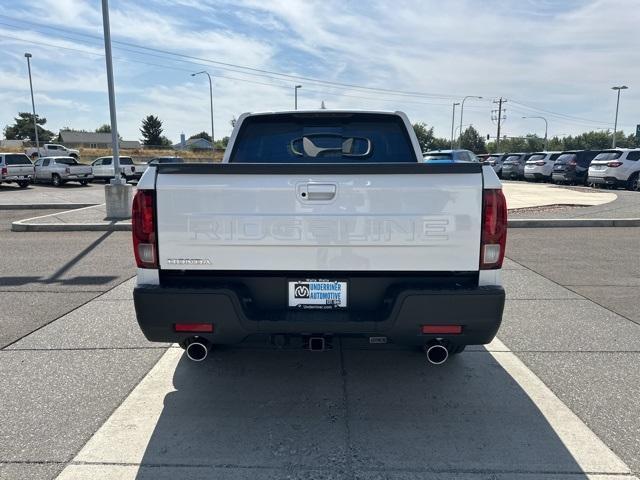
556 59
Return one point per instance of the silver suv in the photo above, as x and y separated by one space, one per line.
616 167
539 166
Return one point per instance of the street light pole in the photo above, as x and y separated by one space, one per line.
295 90
211 102
118 194
453 120
33 104
461 114
115 144
546 128
615 125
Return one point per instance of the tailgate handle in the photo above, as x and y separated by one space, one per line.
321 191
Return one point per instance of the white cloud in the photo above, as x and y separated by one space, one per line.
562 57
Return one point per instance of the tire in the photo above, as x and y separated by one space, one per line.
84 183
632 183
56 181
73 155
23 184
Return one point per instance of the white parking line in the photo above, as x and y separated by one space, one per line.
118 447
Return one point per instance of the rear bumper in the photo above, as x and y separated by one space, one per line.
478 310
511 172
605 180
535 176
16 178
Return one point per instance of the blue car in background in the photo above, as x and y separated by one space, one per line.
450 156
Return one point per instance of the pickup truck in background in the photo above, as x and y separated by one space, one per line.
60 170
16 167
52 150
103 169
319 225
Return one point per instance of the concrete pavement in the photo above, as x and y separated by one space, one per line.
254 412
527 195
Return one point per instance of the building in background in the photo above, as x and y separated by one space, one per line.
193 144
79 139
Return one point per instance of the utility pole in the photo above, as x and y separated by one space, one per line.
453 121
33 103
499 102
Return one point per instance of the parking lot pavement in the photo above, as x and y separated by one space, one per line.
10 194
601 264
352 412
45 275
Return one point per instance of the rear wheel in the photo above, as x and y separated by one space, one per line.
84 182
55 180
632 183
23 184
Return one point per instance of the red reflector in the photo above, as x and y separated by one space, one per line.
442 329
193 327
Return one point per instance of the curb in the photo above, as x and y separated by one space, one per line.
70 227
46 206
573 222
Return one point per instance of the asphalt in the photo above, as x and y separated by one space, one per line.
585 346
45 275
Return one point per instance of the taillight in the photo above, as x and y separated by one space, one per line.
614 164
67 170
4 171
573 163
143 227
540 163
494 229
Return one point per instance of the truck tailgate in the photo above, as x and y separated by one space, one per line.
320 222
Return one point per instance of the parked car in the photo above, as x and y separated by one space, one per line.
616 168
156 160
425 240
52 150
496 160
449 156
103 169
513 165
16 167
539 166
60 170
573 166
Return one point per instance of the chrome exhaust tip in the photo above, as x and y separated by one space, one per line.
436 353
198 349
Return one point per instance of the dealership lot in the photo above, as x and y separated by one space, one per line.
86 394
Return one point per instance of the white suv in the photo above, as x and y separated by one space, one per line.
618 167
539 166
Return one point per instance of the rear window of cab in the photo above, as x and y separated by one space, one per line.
566 157
17 159
608 156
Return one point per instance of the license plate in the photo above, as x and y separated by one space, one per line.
599 167
318 294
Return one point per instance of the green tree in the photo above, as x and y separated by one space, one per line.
104 128
427 140
165 142
222 144
471 140
202 134
151 130
23 128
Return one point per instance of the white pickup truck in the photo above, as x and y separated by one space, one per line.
317 225
52 150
